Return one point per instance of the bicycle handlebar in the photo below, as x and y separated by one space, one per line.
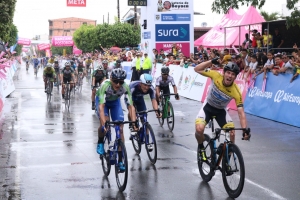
146 111
167 94
246 131
119 122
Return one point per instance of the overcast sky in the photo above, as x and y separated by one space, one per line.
31 16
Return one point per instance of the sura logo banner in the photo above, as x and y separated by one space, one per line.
172 32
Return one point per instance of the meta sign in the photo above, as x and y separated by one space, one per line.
76 3
172 32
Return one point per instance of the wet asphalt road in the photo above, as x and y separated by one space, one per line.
49 153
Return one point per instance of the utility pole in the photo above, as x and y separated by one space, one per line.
118 7
135 16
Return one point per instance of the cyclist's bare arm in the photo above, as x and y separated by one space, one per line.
202 66
242 117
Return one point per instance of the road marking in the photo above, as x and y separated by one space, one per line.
178 113
268 191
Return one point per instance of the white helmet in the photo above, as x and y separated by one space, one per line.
146 79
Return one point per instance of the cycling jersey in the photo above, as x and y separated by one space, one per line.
88 62
67 73
51 61
138 95
164 83
106 93
49 71
80 68
219 96
99 75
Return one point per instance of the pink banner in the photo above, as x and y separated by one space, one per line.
167 47
62 41
24 50
43 47
76 3
76 51
24 41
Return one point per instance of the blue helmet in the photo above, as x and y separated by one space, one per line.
146 79
118 74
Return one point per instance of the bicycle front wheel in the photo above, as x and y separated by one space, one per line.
161 120
121 167
136 143
171 118
105 159
205 167
150 144
233 171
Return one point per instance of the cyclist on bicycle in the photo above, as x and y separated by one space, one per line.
49 73
51 60
56 68
162 83
138 90
118 64
109 95
35 63
67 76
99 75
222 90
88 63
105 65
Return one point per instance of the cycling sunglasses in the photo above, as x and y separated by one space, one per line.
120 82
165 74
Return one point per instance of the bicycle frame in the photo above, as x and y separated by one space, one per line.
165 100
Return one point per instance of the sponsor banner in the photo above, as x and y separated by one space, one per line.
76 3
172 32
173 17
166 6
24 50
189 84
146 35
127 67
167 47
43 47
24 41
62 41
279 102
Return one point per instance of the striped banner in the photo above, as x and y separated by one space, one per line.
263 88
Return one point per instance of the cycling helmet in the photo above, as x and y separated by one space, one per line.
104 62
118 74
232 67
67 64
89 57
73 59
49 65
72 62
118 61
146 79
165 70
100 67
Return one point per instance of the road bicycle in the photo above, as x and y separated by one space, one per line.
89 75
146 136
232 167
114 153
57 78
79 81
27 66
49 88
166 108
67 95
36 71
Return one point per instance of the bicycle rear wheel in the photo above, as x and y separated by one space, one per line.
121 175
205 167
48 91
150 144
136 143
105 159
171 118
67 97
233 171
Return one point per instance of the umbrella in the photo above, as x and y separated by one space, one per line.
115 49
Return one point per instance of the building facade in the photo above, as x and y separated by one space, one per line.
67 26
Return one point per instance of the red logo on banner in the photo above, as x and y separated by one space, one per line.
76 3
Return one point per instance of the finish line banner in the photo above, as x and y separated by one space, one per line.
279 102
76 3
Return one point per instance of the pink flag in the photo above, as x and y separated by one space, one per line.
263 89
252 83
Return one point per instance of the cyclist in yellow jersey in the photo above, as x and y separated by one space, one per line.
221 91
49 74
51 60
88 62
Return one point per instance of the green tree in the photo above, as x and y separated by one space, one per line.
13 33
88 38
222 6
59 50
7 9
270 17
18 49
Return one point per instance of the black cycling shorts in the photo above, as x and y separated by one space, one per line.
67 80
